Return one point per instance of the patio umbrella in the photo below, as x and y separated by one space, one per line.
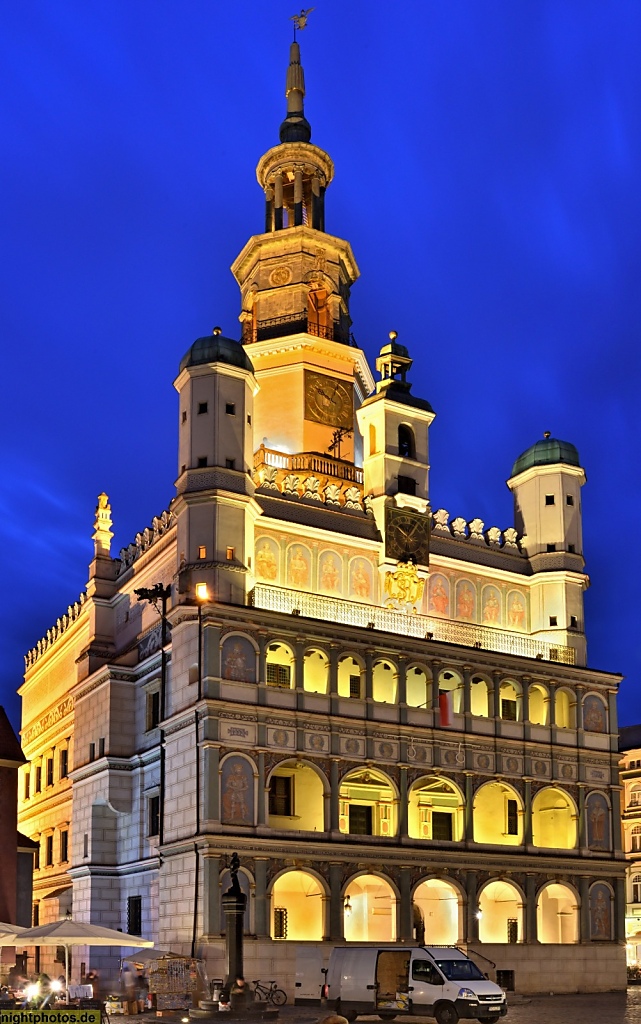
9 931
69 933
145 955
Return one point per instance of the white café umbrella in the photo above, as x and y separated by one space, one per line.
8 932
69 933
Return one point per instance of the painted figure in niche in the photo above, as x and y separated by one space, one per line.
465 601
491 605
237 792
598 814
239 659
330 577
593 715
298 568
266 564
600 927
516 611
439 597
361 580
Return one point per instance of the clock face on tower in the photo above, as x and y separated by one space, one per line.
328 400
407 535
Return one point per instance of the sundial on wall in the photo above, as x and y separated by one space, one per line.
407 535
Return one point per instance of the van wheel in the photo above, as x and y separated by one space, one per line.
445 1013
386 1016
349 1015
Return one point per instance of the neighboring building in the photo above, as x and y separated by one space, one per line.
388 714
630 768
16 850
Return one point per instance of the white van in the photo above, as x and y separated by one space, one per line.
427 981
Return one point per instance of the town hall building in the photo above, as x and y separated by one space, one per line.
386 711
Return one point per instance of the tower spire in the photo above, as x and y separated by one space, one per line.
295 127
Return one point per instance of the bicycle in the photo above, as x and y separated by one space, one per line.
273 994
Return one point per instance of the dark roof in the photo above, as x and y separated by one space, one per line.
629 737
307 513
215 348
397 392
547 452
24 843
10 749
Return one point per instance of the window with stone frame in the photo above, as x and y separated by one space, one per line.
152 708
281 795
636 889
635 839
153 816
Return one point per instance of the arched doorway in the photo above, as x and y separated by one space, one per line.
369 910
500 913
367 804
436 905
557 914
435 810
554 820
498 815
297 907
296 798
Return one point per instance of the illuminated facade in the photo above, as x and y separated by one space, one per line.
386 711
630 768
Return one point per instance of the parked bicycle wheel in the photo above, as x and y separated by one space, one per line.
260 994
278 997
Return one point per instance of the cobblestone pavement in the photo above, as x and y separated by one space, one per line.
600 1008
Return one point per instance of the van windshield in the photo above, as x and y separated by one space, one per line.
460 970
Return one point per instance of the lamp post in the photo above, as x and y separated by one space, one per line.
155 595
202 596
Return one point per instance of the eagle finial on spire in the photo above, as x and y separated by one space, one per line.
300 20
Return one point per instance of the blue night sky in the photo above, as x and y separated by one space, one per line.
488 159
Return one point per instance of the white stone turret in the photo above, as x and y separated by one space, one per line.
215 509
546 483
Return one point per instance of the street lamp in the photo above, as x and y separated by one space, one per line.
159 593
202 596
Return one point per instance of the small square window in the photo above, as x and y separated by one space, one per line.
101 747
50 771
64 846
202 461
549 499
230 463
571 548
39 779
64 763
249 420
202 408
230 408
202 551
184 417
551 547
85 845
569 499
406 485
231 553
553 620
92 751
48 851
574 622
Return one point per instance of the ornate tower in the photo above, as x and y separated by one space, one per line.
295 282
546 482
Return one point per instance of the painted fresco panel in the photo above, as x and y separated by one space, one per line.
330 573
465 600
516 610
238 659
267 559
594 714
439 595
237 791
598 818
361 580
491 606
299 562
600 912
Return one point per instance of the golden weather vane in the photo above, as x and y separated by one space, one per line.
300 20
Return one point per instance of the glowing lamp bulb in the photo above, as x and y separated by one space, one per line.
31 991
56 986
479 914
202 592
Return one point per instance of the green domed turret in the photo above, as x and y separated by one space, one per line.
547 452
215 348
